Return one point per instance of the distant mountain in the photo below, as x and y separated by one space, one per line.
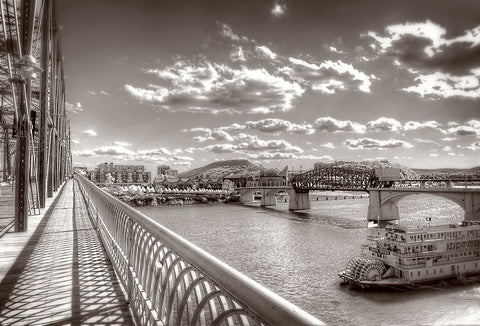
222 169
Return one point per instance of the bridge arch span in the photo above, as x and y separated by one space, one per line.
397 197
383 203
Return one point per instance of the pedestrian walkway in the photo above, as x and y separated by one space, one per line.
58 272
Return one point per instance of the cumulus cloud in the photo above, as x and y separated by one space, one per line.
90 132
248 144
444 67
470 127
449 138
105 150
155 151
334 49
266 52
327 77
330 124
327 145
121 143
286 155
444 85
113 151
84 153
145 155
426 141
215 134
73 108
278 9
384 124
226 31
369 143
273 125
238 54
253 143
474 146
221 148
213 88
414 125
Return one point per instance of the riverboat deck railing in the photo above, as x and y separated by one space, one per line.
169 281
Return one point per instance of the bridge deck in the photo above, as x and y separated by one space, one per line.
57 273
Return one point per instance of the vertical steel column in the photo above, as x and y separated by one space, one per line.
53 102
23 140
44 103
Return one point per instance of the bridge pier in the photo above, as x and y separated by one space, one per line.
472 206
246 197
268 199
383 213
299 200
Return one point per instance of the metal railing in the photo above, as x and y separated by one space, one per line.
170 281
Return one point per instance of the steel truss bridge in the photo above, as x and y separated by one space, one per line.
362 179
335 178
34 129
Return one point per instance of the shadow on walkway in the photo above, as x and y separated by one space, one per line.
63 276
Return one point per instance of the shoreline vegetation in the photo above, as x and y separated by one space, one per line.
139 196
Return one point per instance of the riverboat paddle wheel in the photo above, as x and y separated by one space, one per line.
363 269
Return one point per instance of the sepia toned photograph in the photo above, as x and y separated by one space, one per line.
226 162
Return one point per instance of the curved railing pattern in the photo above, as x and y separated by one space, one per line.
170 281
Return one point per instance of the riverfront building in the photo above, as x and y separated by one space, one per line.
122 174
166 171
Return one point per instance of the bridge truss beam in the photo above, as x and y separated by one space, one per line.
35 156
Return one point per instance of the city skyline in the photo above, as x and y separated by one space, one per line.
276 82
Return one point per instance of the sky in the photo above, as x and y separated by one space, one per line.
186 83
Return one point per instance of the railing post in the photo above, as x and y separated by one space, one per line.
130 281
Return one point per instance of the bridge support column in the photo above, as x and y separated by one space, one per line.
268 200
246 197
381 213
472 206
299 200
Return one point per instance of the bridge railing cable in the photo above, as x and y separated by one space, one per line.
170 281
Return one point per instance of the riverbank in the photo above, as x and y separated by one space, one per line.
155 199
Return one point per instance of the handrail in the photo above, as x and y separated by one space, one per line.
170 281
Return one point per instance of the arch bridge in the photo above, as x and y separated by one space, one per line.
386 187
383 203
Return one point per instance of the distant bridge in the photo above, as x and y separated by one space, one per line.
385 186
362 179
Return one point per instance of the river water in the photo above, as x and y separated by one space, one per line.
298 255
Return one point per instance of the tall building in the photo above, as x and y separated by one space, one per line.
166 171
135 174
